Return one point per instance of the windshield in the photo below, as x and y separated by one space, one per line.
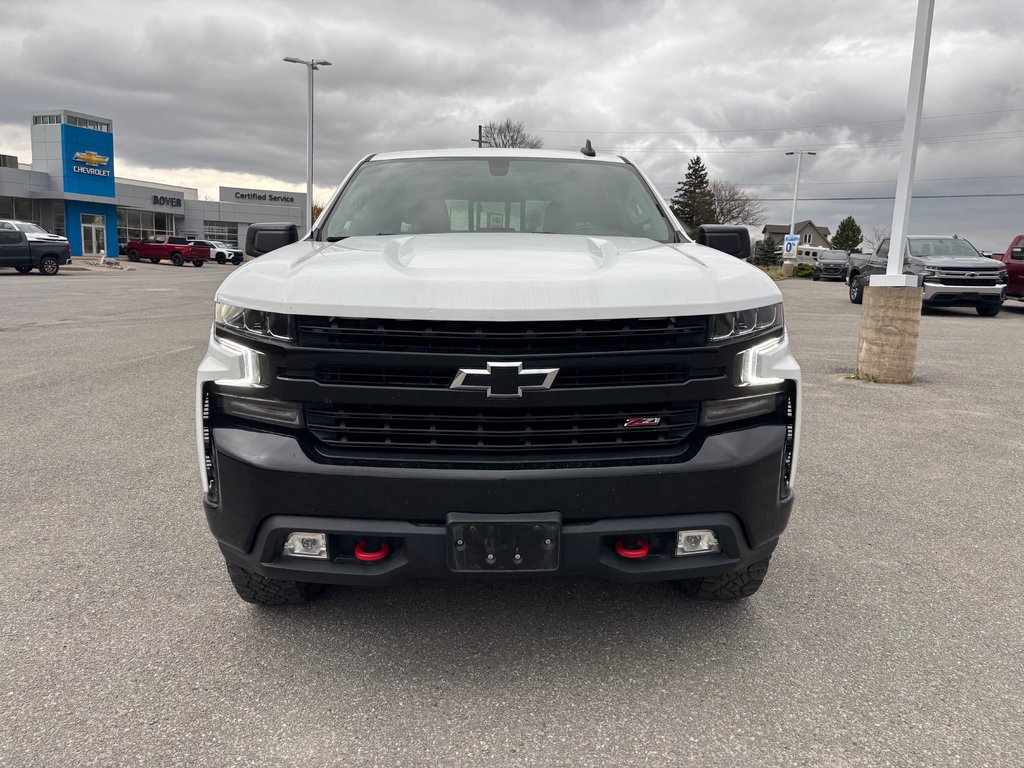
569 197
31 229
832 256
941 246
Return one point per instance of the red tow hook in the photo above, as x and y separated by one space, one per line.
370 556
637 549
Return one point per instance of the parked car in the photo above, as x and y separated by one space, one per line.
218 251
26 246
159 247
832 265
1013 260
949 268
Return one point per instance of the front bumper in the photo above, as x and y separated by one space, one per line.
269 487
962 296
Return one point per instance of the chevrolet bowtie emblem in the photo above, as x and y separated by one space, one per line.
504 379
90 158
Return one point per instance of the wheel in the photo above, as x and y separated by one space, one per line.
222 259
48 265
237 260
24 270
816 275
198 263
133 255
254 588
176 260
988 310
727 586
155 261
856 290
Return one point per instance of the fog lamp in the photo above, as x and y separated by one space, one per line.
304 544
696 542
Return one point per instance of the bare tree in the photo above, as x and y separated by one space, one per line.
734 206
510 134
876 236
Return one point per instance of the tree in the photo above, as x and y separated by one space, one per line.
848 235
693 203
733 205
510 134
877 235
764 253
318 208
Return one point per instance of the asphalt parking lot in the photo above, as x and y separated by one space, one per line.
890 630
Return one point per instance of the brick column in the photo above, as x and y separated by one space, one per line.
890 322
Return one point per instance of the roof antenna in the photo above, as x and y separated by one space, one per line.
588 150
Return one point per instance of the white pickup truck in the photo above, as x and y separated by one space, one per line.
493 362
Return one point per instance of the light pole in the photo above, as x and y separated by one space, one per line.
796 185
311 66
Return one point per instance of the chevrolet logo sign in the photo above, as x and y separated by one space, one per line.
504 379
90 158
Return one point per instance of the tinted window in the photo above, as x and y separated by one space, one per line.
10 237
430 195
177 240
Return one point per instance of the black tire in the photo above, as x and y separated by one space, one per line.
133 255
155 261
198 263
856 290
988 310
237 260
222 259
24 270
254 588
727 586
176 260
816 275
48 265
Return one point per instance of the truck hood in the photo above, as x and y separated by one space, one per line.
957 262
497 276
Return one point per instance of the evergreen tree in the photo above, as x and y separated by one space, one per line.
694 203
764 253
848 235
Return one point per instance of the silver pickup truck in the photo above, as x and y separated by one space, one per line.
949 268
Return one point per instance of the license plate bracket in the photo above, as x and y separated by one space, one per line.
489 543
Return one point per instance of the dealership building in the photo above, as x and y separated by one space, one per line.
71 188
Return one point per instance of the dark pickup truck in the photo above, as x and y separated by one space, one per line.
158 247
26 246
949 268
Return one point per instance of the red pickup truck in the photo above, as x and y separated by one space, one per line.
1014 261
158 247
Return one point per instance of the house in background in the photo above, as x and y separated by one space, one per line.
809 233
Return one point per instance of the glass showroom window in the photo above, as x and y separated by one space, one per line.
225 231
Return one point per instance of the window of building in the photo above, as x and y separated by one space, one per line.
84 122
807 238
59 228
134 225
46 120
225 231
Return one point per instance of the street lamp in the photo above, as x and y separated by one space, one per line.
311 66
796 186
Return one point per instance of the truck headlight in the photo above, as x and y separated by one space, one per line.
254 322
745 322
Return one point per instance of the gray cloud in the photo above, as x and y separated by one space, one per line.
194 85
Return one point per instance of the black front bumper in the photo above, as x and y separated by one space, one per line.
268 486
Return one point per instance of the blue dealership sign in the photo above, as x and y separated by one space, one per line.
88 161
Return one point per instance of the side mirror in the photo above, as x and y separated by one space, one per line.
264 238
732 240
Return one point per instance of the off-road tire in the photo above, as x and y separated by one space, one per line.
237 260
221 258
133 255
856 290
48 265
254 588
177 260
198 263
24 270
989 311
727 586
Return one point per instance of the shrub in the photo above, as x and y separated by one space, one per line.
803 270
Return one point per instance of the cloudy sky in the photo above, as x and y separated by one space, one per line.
199 95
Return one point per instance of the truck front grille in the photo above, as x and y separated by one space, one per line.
502 338
962 276
522 434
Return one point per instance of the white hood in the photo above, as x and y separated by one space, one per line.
497 276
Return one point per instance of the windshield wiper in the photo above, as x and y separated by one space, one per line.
336 238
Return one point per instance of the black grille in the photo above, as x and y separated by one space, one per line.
494 338
982 280
531 434
441 377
